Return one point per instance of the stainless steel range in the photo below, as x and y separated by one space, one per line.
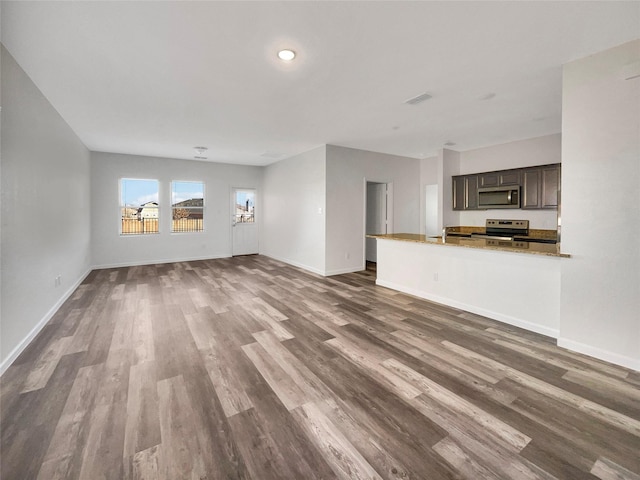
497 229
504 233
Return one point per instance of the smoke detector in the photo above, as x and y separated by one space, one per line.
201 151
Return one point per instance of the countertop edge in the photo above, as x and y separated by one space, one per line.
438 241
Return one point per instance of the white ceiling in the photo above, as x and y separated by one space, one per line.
158 78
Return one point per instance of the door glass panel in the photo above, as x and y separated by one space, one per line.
245 204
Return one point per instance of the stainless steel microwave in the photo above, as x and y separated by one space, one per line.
499 197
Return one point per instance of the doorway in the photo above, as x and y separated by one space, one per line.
377 218
244 227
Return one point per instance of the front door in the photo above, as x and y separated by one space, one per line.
244 228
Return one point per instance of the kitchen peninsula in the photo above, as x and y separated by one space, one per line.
477 275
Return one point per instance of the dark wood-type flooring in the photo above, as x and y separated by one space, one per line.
249 368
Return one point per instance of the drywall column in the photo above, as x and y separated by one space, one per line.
348 170
600 297
295 210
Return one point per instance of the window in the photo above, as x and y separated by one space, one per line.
187 206
139 209
245 201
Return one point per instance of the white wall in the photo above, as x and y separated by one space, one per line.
518 154
449 165
112 249
429 176
348 170
523 153
45 210
294 196
600 299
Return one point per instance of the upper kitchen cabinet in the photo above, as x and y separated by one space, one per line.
540 187
550 186
498 179
465 192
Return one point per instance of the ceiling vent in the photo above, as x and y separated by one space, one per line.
419 99
631 71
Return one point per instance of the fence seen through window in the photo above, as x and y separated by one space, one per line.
187 206
139 208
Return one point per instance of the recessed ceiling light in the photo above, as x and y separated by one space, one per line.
449 144
286 55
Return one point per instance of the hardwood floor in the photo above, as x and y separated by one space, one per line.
249 368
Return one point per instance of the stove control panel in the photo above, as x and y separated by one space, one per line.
519 224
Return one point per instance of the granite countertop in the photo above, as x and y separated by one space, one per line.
533 233
548 249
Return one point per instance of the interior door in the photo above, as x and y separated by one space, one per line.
244 228
376 217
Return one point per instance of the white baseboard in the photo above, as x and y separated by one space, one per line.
324 273
295 264
516 322
157 262
600 354
342 271
6 363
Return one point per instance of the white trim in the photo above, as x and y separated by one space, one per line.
342 271
295 264
599 353
15 353
516 322
158 262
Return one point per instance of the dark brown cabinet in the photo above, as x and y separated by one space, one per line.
488 179
531 188
471 192
540 187
500 178
550 186
465 192
510 177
